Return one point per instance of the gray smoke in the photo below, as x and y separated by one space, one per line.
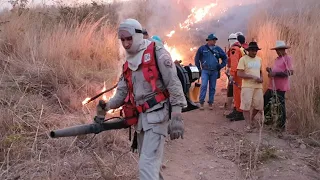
159 17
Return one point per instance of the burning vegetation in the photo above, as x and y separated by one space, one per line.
196 15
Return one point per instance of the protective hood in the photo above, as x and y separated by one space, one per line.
131 27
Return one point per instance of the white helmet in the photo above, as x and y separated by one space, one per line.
232 39
232 36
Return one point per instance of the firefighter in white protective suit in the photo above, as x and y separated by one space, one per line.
151 93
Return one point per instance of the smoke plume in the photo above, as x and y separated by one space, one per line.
160 17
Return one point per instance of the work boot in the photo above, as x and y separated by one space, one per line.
238 116
210 106
232 114
201 107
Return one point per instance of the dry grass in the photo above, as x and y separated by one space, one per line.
297 23
49 63
249 156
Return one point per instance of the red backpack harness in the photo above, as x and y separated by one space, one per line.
151 74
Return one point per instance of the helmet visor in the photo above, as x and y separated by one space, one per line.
232 39
125 32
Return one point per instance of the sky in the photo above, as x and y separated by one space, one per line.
4 4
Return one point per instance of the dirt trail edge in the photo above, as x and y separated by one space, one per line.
215 148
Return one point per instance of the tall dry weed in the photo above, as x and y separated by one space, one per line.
297 23
47 68
55 57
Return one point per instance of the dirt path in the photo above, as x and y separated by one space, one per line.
215 148
192 157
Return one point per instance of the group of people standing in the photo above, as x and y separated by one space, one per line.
245 93
152 97
244 71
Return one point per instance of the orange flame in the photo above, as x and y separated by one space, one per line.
197 14
105 98
175 54
85 101
192 49
171 33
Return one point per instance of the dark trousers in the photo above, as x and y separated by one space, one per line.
268 100
230 90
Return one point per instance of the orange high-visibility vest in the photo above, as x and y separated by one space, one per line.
151 74
235 53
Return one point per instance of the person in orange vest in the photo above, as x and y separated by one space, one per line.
234 54
229 102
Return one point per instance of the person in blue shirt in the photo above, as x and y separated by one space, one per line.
207 61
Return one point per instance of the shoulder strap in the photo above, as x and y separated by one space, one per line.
211 51
285 62
160 76
287 67
243 50
155 58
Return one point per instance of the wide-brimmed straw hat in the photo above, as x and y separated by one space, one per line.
253 46
280 45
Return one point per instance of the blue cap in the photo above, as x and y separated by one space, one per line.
211 37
